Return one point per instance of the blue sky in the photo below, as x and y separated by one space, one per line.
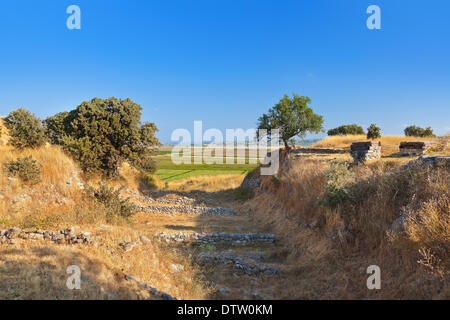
227 62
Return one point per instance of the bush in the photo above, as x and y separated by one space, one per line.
339 180
147 182
373 132
346 129
244 193
27 169
25 129
145 163
56 127
102 133
414 131
110 199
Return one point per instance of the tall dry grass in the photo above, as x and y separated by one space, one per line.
389 144
58 189
207 183
37 270
332 245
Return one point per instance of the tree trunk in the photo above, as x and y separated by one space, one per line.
286 144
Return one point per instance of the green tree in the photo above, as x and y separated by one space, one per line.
25 129
415 131
56 127
148 144
373 132
102 133
346 129
27 169
293 117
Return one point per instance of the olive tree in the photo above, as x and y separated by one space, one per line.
102 133
25 129
293 117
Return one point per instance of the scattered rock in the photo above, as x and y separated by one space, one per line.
256 296
238 263
435 162
252 180
153 291
224 291
176 267
128 246
187 210
144 240
214 238
68 236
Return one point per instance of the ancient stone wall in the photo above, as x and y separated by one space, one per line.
365 151
413 148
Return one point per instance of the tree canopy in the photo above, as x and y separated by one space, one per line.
373 132
293 117
102 133
415 131
25 129
346 129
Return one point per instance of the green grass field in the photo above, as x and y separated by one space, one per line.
169 171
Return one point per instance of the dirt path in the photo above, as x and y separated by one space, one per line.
235 256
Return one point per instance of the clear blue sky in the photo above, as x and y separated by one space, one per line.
226 61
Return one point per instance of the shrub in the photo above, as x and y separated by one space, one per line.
25 129
244 193
346 129
56 127
414 131
110 199
102 133
339 180
27 169
147 182
373 132
145 163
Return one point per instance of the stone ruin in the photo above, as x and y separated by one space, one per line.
414 148
433 162
365 151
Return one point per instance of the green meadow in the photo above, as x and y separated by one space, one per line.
169 171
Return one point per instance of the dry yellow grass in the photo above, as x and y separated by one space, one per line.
324 251
54 192
38 270
209 184
389 144
333 246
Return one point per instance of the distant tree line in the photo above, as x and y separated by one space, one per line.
100 134
373 132
346 129
415 131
